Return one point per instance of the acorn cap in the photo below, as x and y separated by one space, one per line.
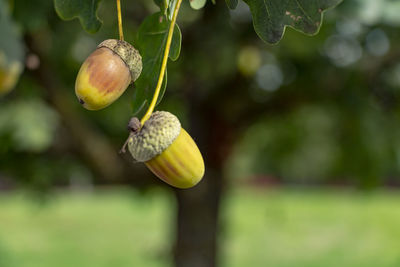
156 135
127 53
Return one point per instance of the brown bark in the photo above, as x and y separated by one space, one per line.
197 222
197 225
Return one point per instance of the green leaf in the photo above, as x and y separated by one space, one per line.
163 4
85 10
151 40
197 4
271 17
166 7
232 4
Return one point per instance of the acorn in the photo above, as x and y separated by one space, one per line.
106 73
166 149
9 73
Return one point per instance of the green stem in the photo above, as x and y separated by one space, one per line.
121 32
163 64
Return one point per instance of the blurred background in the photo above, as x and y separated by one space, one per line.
300 141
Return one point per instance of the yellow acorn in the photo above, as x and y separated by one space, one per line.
106 73
9 73
166 149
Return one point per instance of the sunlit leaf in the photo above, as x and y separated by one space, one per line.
197 4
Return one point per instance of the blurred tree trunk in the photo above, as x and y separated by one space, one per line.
197 222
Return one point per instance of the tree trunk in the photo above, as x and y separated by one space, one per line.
197 222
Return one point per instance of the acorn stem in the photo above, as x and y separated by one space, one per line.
121 32
133 127
123 148
163 64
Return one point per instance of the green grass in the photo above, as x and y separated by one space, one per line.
312 228
118 228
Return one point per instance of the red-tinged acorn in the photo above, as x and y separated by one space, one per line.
166 149
106 73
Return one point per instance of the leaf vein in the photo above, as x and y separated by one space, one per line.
304 11
267 9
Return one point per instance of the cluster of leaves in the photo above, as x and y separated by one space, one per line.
325 120
340 122
270 18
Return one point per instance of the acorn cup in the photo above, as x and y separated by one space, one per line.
106 73
166 149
